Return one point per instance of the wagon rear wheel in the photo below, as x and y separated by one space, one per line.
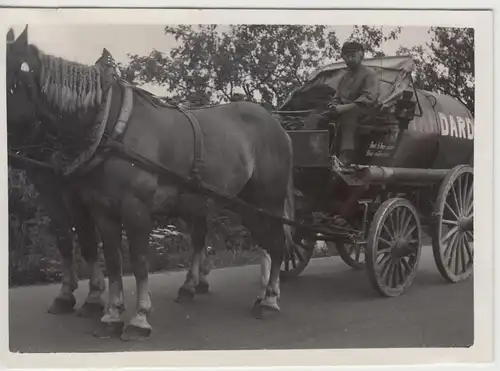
453 232
394 247
296 259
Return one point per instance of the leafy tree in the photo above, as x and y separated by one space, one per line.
446 63
212 63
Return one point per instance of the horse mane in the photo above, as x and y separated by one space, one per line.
69 86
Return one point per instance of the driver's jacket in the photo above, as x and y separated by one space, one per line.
360 87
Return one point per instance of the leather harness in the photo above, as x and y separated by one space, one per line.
91 158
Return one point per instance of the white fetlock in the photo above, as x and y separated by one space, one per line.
271 302
140 320
112 316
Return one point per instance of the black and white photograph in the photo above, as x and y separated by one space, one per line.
207 185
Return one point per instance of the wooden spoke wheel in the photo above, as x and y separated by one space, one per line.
453 233
352 254
394 247
296 259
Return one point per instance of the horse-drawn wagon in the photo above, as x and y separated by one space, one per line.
413 174
119 156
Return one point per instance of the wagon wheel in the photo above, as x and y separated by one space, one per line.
394 246
352 254
453 232
296 259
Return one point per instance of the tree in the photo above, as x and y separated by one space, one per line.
263 62
446 63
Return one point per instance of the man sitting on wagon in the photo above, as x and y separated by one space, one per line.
357 92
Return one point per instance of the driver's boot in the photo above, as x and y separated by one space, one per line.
346 157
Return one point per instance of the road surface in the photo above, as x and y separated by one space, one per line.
328 306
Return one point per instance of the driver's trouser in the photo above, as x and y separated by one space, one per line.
347 123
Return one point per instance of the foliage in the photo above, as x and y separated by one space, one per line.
211 63
373 38
29 238
446 64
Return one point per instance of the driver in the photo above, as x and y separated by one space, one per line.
357 91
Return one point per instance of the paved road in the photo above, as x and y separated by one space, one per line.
329 306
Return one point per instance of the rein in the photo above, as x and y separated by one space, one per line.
199 186
31 163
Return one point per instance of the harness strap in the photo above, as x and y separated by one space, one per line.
89 153
126 111
198 142
118 129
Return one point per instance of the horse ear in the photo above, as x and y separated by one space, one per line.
22 40
10 36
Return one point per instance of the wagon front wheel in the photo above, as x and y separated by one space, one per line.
393 247
352 254
296 258
453 232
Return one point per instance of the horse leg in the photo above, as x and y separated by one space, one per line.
86 232
270 263
65 300
203 287
138 225
52 197
110 228
192 282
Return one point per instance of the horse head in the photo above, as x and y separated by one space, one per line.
22 70
50 95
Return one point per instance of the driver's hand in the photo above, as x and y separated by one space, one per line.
333 108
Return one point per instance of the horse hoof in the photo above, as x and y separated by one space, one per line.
135 333
202 288
62 305
257 309
270 304
90 310
108 330
184 294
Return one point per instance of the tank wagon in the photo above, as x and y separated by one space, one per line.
413 176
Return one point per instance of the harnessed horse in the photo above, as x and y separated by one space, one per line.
113 141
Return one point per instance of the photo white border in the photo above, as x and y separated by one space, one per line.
483 288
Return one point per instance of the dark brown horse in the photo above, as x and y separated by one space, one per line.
245 153
67 217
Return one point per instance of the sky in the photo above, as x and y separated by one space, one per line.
84 43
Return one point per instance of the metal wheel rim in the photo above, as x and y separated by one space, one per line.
296 259
392 274
455 258
353 254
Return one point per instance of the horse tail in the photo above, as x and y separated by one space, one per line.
289 210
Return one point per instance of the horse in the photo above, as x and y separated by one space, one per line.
238 150
66 216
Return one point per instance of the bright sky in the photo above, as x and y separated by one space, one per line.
84 44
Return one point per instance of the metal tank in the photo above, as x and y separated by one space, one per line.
440 136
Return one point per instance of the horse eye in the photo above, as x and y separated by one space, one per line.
25 67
